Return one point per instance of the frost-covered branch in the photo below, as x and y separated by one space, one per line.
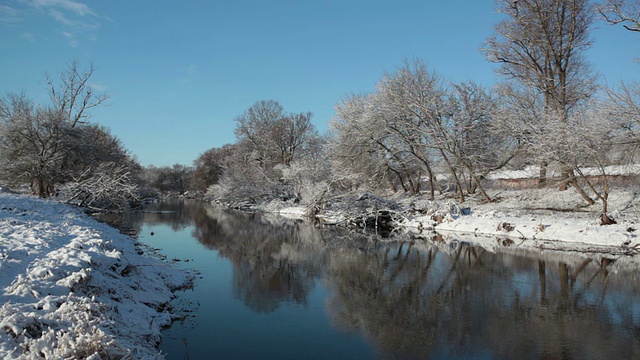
625 12
107 186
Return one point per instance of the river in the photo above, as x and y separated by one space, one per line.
272 288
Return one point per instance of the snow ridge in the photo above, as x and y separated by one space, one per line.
73 287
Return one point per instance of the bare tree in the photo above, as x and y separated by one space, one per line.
276 137
446 123
625 12
253 128
209 167
74 95
417 99
624 105
475 143
172 180
540 45
290 133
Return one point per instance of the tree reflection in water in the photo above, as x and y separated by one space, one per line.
435 298
264 275
430 303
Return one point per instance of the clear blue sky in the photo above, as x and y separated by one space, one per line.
179 72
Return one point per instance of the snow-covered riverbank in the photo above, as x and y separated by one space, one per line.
545 218
72 287
548 216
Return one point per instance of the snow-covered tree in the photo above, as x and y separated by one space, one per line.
416 126
52 147
310 177
42 143
540 45
269 140
98 170
32 144
276 137
105 185
363 146
476 143
447 124
624 105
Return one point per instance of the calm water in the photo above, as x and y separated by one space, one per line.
276 289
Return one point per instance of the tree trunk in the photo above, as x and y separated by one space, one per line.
605 219
473 178
543 281
455 176
542 180
566 177
484 193
581 191
41 188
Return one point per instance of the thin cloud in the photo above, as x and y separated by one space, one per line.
98 87
9 15
188 73
59 17
75 7
28 36
79 19
71 39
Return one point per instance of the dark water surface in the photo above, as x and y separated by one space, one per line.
281 289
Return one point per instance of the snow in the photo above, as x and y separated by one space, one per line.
76 288
542 217
533 218
294 212
532 172
72 287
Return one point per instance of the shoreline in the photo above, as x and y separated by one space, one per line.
536 218
76 287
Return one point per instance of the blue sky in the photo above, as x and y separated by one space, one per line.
179 72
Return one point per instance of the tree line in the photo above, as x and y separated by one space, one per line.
421 134
55 151
416 132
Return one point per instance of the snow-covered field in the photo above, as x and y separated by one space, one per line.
72 287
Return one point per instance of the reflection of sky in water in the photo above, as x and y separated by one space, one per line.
291 291
525 284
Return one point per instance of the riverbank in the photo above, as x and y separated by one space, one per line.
73 287
540 218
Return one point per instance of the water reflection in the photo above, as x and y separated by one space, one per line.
442 297
424 302
263 276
